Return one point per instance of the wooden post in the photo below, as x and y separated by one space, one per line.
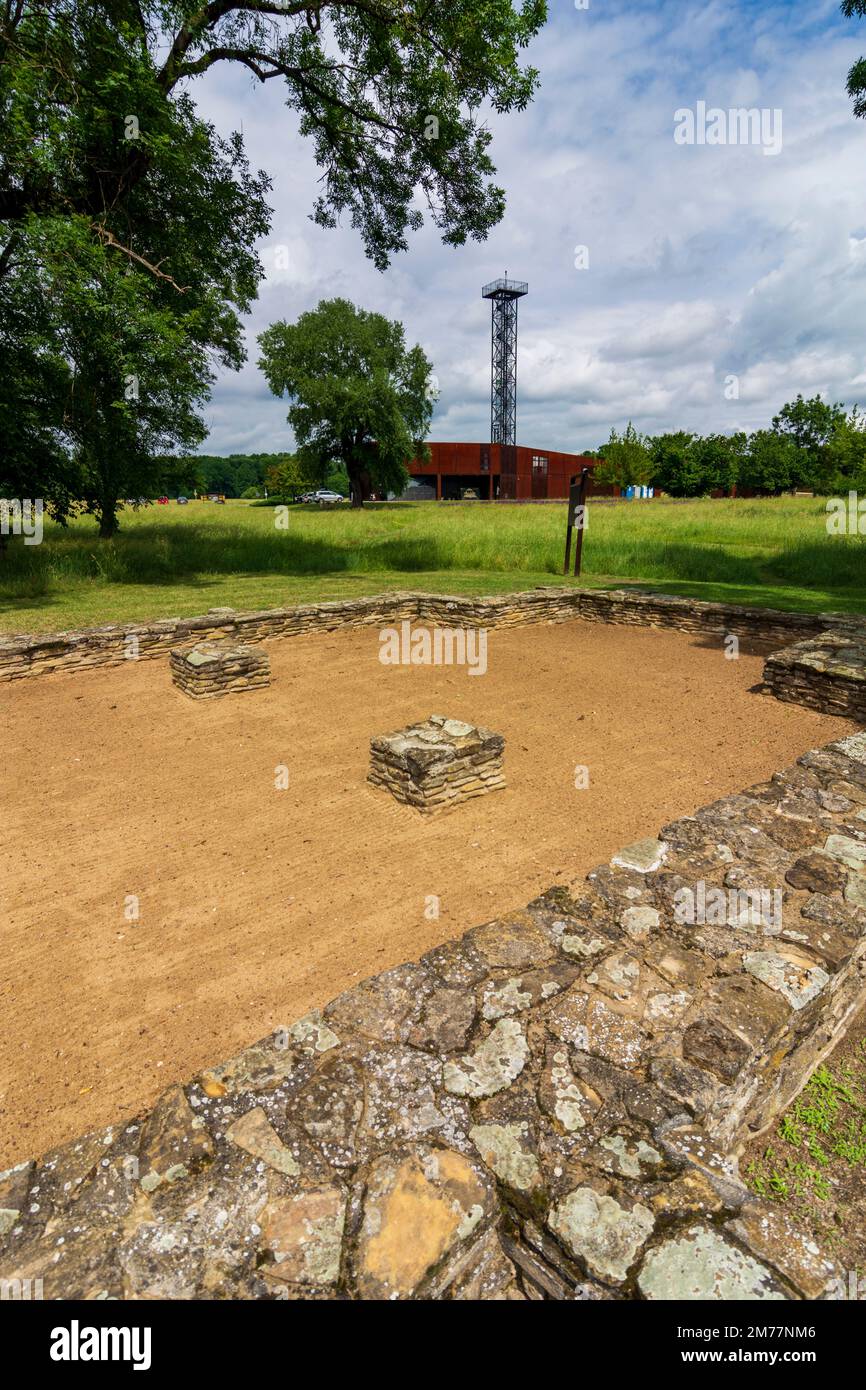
581 503
576 499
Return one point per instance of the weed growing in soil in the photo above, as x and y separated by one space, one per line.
819 1139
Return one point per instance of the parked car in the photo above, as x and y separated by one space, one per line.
163 501
182 501
325 495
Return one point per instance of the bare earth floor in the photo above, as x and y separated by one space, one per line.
257 904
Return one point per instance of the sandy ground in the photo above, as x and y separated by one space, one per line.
257 904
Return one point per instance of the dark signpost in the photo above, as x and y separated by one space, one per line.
576 516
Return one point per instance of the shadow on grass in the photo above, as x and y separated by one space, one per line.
200 557
197 555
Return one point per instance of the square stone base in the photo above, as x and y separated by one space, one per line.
827 673
219 667
437 764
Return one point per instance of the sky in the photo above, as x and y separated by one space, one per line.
692 286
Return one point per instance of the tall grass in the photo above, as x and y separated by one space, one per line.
775 543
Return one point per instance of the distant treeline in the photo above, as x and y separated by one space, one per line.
234 474
811 446
251 475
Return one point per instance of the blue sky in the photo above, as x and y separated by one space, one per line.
705 261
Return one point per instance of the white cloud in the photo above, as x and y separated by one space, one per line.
704 261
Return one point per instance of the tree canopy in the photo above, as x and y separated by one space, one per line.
810 424
625 459
127 239
358 395
128 224
857 75
844 462
813 444
688 465
390 92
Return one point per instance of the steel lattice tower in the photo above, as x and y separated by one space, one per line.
503 357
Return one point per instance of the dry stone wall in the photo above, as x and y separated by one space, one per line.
826 673
38 654
219 667
437 765
550 1107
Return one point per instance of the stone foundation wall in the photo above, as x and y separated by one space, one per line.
826 673
550 1107
30 655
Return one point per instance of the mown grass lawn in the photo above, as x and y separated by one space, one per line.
183 560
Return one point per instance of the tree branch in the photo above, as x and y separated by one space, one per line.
108 239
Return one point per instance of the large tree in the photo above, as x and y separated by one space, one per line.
770 464
390 92
127 241
686 465
810 425
102 154
35 380
674 467
139 372
844 462
358 396
625 458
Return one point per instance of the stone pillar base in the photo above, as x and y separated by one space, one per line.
219 667
437 764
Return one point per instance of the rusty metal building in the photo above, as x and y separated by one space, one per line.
501 472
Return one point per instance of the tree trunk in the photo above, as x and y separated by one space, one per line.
356 490
107 515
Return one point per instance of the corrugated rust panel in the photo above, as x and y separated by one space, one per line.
512 464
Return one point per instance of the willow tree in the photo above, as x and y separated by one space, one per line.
358 396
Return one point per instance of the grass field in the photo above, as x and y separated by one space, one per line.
182 560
